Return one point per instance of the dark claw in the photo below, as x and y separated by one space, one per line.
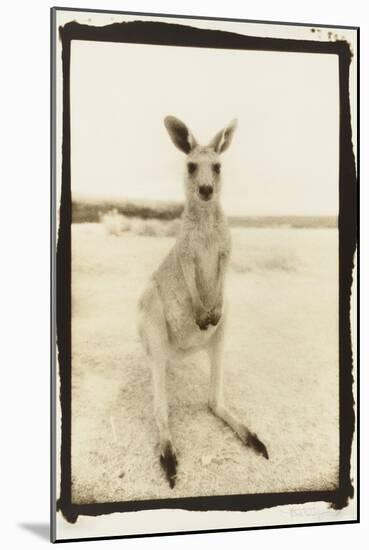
214 319
168 462
203 325
254 442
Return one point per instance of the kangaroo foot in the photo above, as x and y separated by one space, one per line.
254 442
168 461
249 438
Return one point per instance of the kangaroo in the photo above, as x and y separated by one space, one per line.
183 308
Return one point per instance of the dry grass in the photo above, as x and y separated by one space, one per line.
281 362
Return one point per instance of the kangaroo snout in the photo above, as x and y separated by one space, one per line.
206 192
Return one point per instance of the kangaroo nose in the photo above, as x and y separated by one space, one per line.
206 191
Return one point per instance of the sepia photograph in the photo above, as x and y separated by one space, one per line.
205 217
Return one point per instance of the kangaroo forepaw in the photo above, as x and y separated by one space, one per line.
203 320
215 317
254 442
203 325
168 461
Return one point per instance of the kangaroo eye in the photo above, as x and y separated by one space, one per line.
216 167
191 167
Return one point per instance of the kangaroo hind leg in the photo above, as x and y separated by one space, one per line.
154 337
216 397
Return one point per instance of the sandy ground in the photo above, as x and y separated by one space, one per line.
281 371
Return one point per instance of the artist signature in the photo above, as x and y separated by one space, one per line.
310 511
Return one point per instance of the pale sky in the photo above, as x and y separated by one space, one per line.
284 157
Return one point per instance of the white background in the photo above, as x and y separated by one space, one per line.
25 270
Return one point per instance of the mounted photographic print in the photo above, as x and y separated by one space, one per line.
204 267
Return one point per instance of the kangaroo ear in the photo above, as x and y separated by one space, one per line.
180 134
222 140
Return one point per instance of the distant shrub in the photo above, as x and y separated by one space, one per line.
155 228
241 267
287 262
280 263
138 226
151 228
115 223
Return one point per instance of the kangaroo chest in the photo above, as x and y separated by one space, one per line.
208 251
207 265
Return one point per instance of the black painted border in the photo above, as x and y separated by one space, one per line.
179 35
